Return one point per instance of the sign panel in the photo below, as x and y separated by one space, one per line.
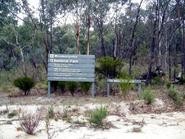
79 68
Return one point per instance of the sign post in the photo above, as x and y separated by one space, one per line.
79 68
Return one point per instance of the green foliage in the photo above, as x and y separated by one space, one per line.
65 115
183 95
41 85
157 81
85 86
12 114
148 96
6 77
143 49
101 83
168 85
72 86
61 85
97 116
124 84
182 80
51 113
109 67
24 83
175 96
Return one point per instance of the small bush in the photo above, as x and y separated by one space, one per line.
62 86
66 116
175 96
97 116
168 85
182 79
25 84
12 114
85 86
72 86
2 112
29 122
101 83
51 113
148 96
109 67
157 81
183 95
124 84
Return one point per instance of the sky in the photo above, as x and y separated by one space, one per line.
34 4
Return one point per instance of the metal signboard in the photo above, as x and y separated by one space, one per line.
63 67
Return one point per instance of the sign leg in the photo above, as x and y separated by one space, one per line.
108 89
49 88
93 89
139 88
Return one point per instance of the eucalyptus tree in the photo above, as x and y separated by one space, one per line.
49 12
9 44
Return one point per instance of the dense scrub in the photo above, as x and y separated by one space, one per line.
25 84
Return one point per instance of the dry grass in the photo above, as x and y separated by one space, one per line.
29 122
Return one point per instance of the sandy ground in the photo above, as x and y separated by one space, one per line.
125 125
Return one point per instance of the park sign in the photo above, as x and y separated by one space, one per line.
80 68
64 67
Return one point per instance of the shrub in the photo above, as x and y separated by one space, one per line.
24 83
157 81
100 88
72 86
97 116
168 85
183 95
29 122
2 112
66 116
51 113
61 85
85 86
182 80
12 114
148 96
124 84
109 67
175 96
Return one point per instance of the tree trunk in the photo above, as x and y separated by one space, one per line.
88 34
46 45
170 64
22 54
183 45
152 47
131 44
101 35
116 42
175 63
77 38
183 40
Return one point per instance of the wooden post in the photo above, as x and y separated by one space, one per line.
49 88
93 91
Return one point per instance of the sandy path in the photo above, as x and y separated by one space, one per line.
153 126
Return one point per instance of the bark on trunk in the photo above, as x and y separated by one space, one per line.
77 38
88 35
